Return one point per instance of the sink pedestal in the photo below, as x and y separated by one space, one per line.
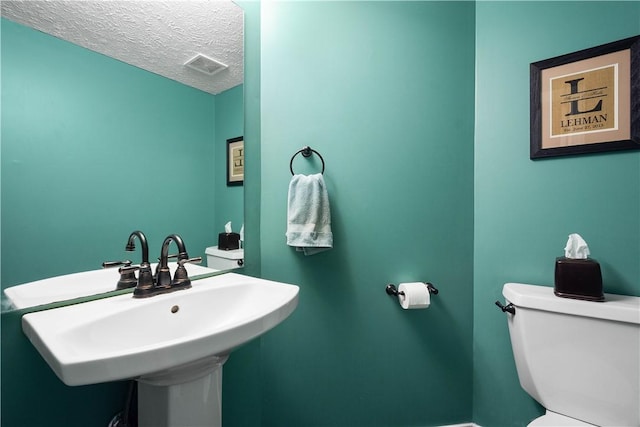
190 395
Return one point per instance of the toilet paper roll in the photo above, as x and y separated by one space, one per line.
416 295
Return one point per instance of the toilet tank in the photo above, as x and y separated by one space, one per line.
224 259
578 358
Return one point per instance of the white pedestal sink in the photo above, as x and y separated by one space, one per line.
174 344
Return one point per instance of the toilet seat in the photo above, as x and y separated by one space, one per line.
551 419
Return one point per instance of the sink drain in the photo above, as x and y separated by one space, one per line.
175 309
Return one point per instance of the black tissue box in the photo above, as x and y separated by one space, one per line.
228 241
579 279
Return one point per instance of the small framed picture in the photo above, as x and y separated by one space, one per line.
235 161
586 101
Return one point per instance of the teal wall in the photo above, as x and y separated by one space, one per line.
375 88
93 149
410 201
524 210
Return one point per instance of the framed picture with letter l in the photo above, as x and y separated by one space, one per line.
235 161
586 101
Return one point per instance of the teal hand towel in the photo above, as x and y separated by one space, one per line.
308 214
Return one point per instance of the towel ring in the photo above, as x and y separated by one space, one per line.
306 152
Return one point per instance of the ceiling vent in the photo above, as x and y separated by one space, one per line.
205 65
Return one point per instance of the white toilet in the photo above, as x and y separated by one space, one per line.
578 359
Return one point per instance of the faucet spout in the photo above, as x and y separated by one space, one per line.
164 252
143 243
145 278
163 279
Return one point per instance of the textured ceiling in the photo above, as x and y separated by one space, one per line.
158 36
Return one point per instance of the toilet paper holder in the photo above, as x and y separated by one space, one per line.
392 290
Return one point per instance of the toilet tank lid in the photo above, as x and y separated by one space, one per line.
620 308
233 254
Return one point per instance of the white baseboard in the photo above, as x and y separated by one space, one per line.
462 425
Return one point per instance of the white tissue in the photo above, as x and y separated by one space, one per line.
576 247
413 295
227 227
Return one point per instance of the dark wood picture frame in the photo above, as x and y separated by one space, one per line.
586 101
235 161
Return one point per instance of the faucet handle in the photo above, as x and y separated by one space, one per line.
195 260
109 264
127 273
181 278
128 269
127 276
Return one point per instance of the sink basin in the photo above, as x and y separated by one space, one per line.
122 337
76 285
